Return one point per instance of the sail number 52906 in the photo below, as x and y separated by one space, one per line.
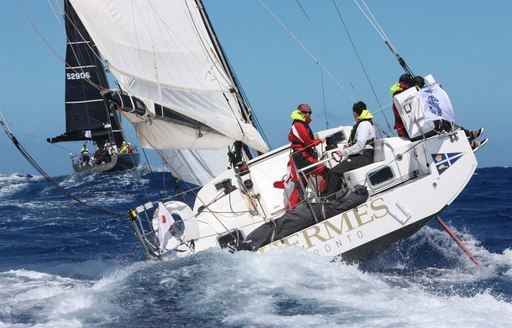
78 76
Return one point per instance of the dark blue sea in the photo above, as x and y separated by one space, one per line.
66 265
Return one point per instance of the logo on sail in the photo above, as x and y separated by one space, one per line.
445 160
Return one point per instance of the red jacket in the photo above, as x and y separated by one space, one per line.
301 136
399 124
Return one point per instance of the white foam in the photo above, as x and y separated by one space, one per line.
284 288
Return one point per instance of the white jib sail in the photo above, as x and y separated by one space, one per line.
161 52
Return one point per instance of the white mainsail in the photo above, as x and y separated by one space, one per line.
162 52
196 166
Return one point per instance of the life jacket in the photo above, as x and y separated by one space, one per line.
399 125
296 141
365 116
397 88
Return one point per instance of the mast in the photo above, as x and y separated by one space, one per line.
246 110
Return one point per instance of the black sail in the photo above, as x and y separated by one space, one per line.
87 115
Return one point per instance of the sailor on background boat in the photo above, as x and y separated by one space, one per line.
359 151
124 148
108 147
86 156
102 154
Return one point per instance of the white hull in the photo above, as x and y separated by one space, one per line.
390 215
419 181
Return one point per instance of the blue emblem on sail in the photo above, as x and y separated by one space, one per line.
444 161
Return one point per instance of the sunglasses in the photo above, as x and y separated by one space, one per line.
306 112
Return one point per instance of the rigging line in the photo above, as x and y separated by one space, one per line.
52 49
217 57
389 132
323 97
42 37
373 21
117 118
38 168
385 37
182 193
306 50
64 148
147 160
215 214
360 62
57 18
165 161
326 45
221 58
316 31
93 51
233 110
330 51
214 55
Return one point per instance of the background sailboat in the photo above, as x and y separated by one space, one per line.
88 117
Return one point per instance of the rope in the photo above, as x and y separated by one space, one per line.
38 168
52 49
373 21
382 131
361 63
323 98
307 50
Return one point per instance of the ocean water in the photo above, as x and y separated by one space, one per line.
65 265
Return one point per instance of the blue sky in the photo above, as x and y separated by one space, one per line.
466 45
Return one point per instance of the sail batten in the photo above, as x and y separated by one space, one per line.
85 101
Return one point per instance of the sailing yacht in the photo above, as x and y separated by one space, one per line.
182 96
88 116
